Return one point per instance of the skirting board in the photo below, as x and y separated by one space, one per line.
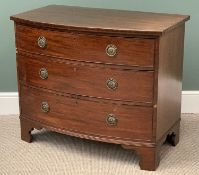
9 102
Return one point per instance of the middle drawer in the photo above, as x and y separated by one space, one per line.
86 79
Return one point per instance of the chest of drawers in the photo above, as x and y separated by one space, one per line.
106 75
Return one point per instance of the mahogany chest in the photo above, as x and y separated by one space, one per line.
107 75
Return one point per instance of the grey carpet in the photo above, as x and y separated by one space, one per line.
55 154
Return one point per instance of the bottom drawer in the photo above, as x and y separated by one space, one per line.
90 117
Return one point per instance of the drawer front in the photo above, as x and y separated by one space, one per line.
86 116
82 47
88 80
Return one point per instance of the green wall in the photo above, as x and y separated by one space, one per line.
10 7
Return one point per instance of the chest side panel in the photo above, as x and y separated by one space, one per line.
169 84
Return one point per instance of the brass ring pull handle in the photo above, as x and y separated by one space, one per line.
43 73
111 50
45 107
42 42
111 120
112 84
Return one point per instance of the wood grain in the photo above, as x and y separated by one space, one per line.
169 82
147 67
89 48
101 20
73 114
86 80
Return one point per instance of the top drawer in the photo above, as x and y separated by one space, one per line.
89 48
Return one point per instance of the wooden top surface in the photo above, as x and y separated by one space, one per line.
101 20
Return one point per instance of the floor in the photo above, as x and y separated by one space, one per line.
51 153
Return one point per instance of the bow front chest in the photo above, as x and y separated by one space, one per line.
107 75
